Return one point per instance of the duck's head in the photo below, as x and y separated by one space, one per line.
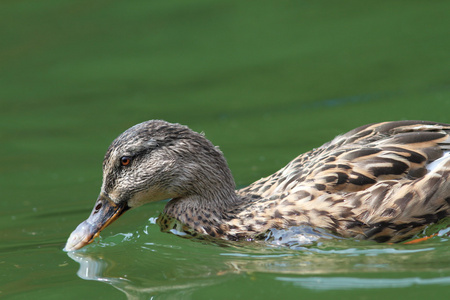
152 161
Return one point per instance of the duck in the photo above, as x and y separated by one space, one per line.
383 182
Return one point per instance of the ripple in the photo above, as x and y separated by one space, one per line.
345 283
370 252
256 255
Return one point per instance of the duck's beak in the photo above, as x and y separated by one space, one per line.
103 214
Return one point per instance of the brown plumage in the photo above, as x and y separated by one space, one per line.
383 182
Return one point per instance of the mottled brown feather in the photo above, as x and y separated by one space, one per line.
377 178
370 183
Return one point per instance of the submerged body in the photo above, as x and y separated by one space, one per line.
383 182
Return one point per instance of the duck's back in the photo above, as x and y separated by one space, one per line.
370 183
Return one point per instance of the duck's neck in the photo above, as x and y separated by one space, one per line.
207 191
211 208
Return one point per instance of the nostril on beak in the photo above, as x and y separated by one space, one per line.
97 207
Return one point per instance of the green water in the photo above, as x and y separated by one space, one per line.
265 80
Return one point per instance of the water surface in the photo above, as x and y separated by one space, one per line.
265 81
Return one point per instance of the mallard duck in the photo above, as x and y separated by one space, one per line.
383 182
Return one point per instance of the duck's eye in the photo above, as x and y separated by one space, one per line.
125 160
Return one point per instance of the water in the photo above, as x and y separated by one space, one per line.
142 265
265 81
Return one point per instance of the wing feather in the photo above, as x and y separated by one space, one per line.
372 182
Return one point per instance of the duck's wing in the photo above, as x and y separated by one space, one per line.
361 158
370 182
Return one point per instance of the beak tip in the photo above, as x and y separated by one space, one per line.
102 215
73 243
79 238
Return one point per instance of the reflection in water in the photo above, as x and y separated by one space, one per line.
180 268
341 283
286 267
96 268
